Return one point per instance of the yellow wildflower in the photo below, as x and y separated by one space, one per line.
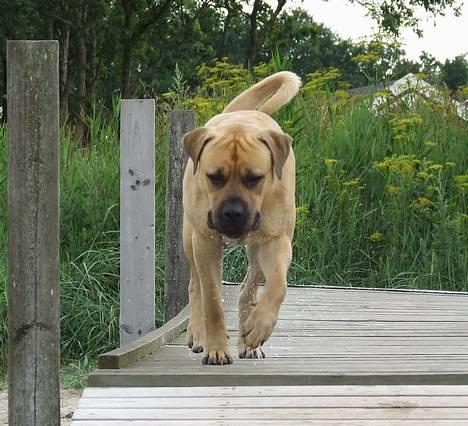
403 164
352 182
392 189
366 58
423 175
302 209
462 181
330 162
422 204
376 236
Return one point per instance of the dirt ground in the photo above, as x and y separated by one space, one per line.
68 403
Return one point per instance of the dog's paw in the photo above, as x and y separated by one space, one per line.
216 357
256 353
195 339
258 327
248 353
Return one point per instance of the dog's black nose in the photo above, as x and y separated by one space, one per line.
234 210
232 217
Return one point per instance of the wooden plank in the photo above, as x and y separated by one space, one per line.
366 325
310 340
378 290
177 271
357 334
137 215
313 364
33 233
290 360
150 343
257 391
331 349
431 310
411 413
215 377
352 317
302 401
310 422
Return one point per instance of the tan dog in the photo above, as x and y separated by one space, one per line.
239 186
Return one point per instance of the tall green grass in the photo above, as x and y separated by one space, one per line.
381 202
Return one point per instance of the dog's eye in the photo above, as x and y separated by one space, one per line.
251 181
217 179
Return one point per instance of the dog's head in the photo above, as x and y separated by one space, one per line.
237 166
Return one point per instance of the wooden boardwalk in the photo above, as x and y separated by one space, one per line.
360 357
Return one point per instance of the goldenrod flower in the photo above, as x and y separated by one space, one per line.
392 189
376 236
352 182
330 162
302 209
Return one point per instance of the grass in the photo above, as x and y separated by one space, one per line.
381 202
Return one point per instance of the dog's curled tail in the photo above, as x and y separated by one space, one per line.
268 95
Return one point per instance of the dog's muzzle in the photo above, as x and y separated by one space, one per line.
233 219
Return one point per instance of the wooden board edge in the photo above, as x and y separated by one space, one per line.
129 378
151 342
368 289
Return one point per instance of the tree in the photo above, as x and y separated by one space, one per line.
138 17
14 25
131 47
261 19
455 72
310 45
392 15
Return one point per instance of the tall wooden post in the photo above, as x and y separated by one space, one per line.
177 273
137 230
33 233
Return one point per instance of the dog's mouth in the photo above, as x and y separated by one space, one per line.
233 231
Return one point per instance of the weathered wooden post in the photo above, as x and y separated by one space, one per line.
33 233
137 230
177 273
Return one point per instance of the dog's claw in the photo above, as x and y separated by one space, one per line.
256 353
217 358
197 349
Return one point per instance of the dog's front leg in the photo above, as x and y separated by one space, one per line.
208 254
274 258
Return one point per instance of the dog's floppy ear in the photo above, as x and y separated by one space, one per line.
279 145
194 142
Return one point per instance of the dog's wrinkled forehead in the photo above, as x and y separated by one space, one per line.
237 147
233 153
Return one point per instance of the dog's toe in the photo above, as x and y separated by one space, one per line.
197 349
217 358
256 353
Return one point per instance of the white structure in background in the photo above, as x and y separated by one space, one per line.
411 88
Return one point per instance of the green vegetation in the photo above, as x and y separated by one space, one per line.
131 47
381 200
